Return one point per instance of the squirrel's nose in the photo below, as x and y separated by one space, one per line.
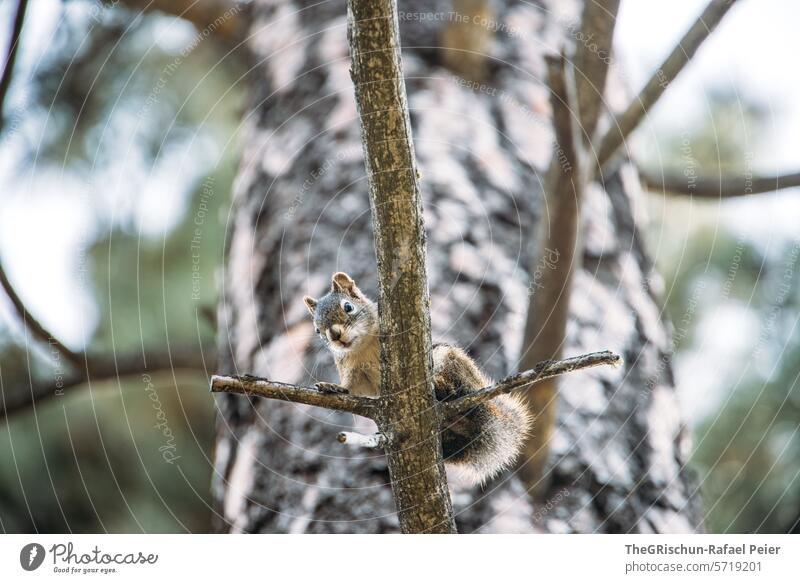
336 333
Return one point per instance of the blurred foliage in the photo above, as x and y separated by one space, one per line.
747 450
112 97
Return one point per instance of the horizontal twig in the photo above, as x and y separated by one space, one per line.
370 407
260 387
623 124
719 186
375 441
543 370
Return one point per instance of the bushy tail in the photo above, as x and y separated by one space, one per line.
487 439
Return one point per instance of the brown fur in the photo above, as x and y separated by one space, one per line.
482 442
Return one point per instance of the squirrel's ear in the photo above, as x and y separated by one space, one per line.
311 304
343 283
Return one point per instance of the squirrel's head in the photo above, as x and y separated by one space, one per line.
344 316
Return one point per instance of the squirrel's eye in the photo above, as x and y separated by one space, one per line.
316 330
348 307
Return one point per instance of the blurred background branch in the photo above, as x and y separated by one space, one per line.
591 62
714 188
103 369
558 258
623 124
11 55
33 325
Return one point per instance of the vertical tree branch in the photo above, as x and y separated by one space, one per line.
592 59
551 275
410 421
623 124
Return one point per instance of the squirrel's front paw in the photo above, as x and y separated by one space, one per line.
330 388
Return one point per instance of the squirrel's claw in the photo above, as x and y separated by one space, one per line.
330 388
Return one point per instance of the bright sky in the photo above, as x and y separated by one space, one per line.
45 219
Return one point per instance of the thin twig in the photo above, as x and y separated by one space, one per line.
717 187
375 441
259 387
11 55
543 370
371 407
622 125
33 324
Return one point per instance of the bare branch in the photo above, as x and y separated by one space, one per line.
11 56
101 370
375 441
371 407
259 387
414 454
33 325
551 274
623 124
718 187
542 371
592 59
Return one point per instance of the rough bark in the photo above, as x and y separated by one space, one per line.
301 212
410 417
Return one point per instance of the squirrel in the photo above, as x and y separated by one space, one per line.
481 442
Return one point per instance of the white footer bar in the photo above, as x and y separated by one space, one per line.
390 558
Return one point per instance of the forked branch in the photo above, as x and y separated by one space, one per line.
592 59
623 124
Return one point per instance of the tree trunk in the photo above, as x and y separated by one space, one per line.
301 212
